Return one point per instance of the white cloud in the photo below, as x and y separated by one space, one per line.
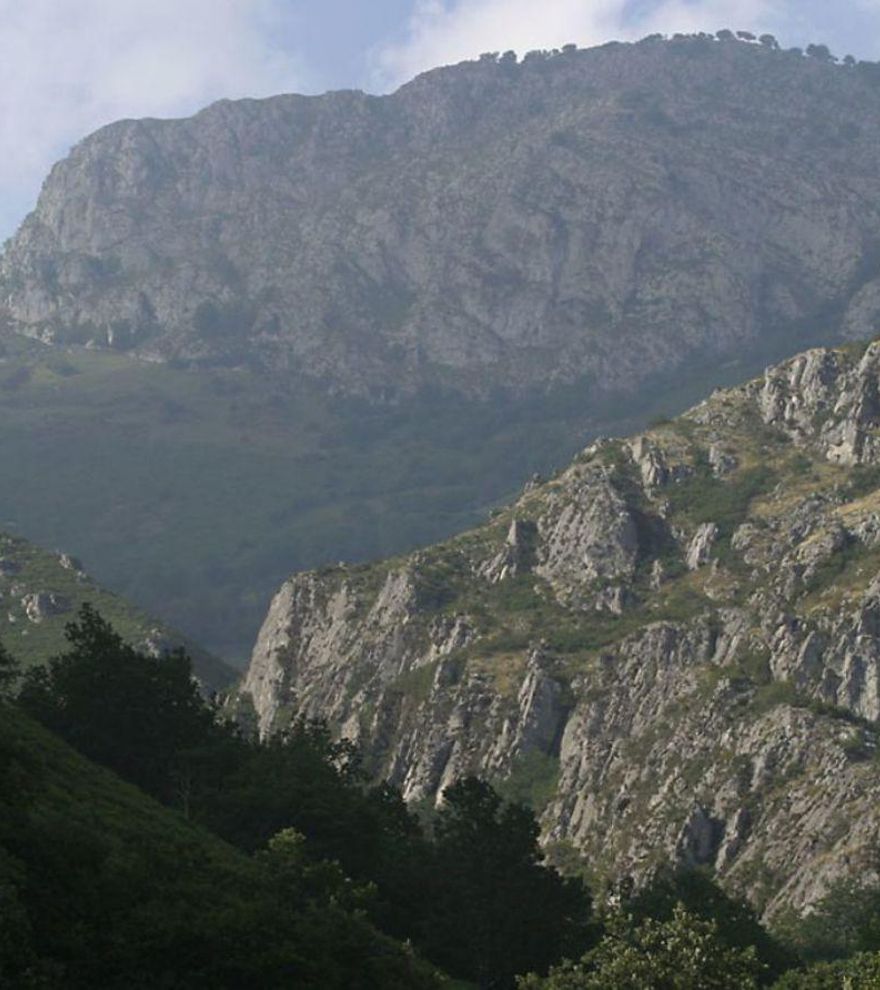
710 15
446 31
442 32
70 66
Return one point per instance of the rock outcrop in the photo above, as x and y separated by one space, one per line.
675 643
611 216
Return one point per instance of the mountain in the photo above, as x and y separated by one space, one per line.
287 332
41 592
591 216
670 648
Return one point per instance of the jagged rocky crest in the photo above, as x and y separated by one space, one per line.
672 646
602 215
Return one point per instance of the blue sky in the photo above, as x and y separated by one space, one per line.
69 66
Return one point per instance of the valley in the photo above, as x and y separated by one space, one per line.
440 534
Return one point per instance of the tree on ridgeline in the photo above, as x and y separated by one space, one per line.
821 53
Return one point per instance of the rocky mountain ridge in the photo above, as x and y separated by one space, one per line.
594 216
671 647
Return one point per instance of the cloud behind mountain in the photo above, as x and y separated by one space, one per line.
66 69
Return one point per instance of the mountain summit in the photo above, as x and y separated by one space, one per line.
597 216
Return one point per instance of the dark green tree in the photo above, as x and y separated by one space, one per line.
495 909
140 715
305 780
862 972
846 921
735 920
302 779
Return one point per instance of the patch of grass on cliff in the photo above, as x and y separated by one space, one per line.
842 575
416 684
863 479
441 579
520 593
532 780
703 498
753 665
774 693
539 619
836 564
505 670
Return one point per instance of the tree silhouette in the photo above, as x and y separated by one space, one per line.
496 910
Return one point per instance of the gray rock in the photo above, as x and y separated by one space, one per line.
518 553
488 225
699 551
709 686
41 605
70 563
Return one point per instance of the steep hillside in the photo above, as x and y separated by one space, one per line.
102 886
40 592
596 216
671 647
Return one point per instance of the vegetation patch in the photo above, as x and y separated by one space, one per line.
416 684
532 780
703 498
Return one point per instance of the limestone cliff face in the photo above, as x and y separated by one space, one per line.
608 215
672 646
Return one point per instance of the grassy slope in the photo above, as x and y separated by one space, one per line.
61 784
194 495
31 570
114 832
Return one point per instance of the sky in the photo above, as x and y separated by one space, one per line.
69 66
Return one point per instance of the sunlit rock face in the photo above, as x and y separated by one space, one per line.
673 647
606 216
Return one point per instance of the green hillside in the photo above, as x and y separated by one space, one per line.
193 494
40 592
102 887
